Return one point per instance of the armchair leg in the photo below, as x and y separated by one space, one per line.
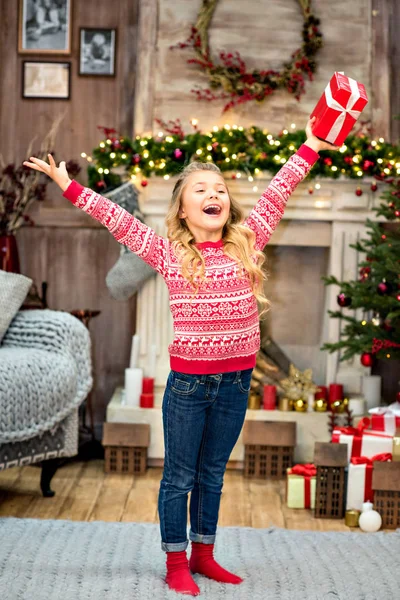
49 467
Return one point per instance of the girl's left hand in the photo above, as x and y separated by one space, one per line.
315 143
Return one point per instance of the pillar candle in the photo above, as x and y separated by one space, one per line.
133 386
335 392
371 389
133 363
357 406
148 385
321 393
147 400
269 397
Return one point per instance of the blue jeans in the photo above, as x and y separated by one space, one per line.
202 417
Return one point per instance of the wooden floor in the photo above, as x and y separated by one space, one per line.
85 493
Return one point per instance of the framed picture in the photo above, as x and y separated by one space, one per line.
97 51
44 27
42 79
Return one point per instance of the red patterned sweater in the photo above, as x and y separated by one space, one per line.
218 330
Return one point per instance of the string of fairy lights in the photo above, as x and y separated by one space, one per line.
241 152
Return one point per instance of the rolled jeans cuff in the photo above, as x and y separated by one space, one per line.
200 538
174 547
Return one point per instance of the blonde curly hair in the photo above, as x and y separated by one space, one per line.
239 240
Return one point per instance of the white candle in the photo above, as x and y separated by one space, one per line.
134 352
152 361
357 406
371 388
133 386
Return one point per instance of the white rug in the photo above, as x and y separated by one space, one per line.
68 560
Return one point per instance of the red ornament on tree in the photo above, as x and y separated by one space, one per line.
374 187
144 182
359 192
366 359
343 300
384 288
328 161
310 190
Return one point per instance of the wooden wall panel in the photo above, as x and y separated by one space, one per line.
265 33
67 248
105 101
75 262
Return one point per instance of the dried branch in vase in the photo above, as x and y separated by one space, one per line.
20 186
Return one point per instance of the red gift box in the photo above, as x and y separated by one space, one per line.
338 108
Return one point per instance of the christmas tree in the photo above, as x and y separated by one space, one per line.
377 291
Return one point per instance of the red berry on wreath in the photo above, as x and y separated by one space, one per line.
359 191
367 359
144 182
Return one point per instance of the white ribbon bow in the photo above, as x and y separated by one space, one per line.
344 110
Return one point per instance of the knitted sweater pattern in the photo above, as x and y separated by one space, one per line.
217 330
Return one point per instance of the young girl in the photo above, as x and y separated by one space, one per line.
211 262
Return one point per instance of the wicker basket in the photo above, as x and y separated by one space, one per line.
331 461
125 447
269 448
386 486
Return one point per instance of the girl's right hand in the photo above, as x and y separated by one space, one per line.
58 174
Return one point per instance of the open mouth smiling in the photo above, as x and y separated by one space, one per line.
213 210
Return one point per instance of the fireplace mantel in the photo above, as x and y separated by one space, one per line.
333 216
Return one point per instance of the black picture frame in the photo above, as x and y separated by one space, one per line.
34 81
97 52
43 31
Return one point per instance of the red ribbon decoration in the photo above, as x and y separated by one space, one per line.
307 471
368 462
380 344
356 432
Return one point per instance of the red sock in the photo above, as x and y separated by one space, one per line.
202 561
178 576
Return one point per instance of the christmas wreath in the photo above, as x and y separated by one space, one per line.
230 73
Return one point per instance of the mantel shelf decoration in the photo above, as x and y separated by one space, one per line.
249 152
230 73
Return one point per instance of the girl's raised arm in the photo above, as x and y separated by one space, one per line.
266 214
127 229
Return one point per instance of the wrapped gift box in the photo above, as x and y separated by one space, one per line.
362 441
339 108
300 486
385 418
359 481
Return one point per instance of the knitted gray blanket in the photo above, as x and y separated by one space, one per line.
67 560
45 372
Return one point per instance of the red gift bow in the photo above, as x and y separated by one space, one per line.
380 344
307 471
356 432
363 460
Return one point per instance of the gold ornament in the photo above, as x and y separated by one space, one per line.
320 405
300 405
339 406
298 385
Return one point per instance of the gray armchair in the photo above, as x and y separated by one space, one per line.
45 374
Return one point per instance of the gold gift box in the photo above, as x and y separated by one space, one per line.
396 446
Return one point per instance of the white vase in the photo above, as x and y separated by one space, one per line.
370 520
371 389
